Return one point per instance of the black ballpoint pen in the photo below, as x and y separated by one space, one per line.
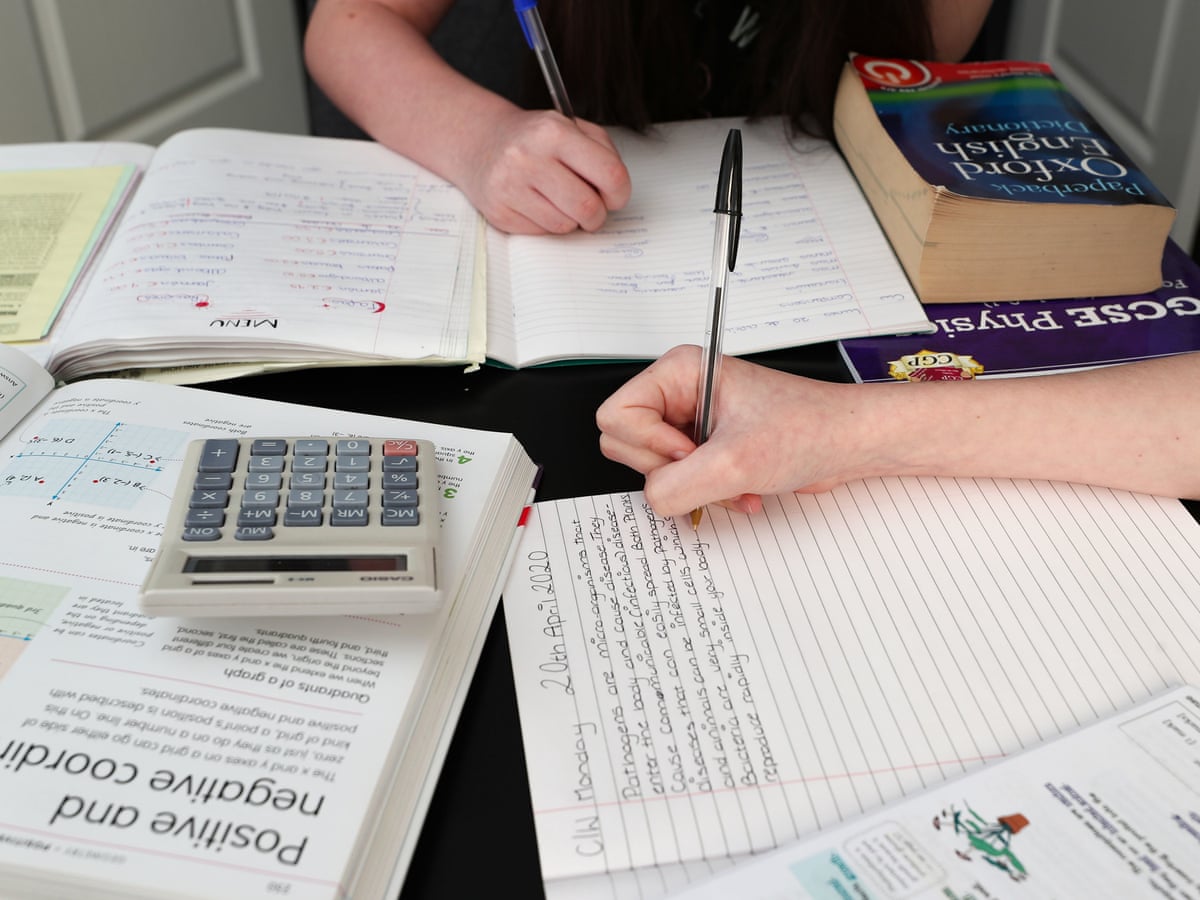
728 211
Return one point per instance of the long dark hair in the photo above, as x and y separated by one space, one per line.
634 62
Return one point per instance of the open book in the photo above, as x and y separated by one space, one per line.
218 758
689 698
270 250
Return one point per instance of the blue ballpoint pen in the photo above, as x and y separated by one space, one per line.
535 37
728 210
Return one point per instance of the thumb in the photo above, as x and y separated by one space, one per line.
704 476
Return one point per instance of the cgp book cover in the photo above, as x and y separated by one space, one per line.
980 340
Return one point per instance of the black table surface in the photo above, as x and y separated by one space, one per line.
478 836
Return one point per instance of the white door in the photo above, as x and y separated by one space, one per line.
1133 66
140 70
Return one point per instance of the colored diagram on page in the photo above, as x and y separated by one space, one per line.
25 606
86 461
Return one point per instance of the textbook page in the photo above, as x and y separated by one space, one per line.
1112 810
690 697
235 757
812 263
248 246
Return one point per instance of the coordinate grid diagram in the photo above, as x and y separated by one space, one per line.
89 461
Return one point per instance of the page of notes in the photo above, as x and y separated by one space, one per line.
690 697
812 262
265 247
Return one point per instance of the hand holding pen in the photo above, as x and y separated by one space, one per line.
537 173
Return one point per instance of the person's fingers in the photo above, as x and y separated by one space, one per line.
643 426
709 474
748 504
667 387
598 163
575 200
507 219
558 173
636 456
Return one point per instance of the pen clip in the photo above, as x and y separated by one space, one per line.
729 190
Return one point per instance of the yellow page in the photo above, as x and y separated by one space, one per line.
50 222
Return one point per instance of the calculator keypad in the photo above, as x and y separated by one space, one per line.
304 483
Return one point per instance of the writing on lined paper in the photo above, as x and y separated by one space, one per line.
812 262
341 248
700 695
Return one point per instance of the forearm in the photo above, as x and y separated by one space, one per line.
1135 427
378 67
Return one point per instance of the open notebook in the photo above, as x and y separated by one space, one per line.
245 251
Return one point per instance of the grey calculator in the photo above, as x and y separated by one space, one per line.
299 526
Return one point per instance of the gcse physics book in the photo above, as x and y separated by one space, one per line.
1028 337
689 698
994 183
270 250
1111 810
169 757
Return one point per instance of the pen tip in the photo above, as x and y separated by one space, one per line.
697 515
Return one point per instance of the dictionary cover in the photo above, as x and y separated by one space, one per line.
993 183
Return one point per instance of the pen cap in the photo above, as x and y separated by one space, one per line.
729 189
729 182
521 7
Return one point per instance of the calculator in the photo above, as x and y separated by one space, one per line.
299 526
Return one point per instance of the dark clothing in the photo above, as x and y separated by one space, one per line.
723 36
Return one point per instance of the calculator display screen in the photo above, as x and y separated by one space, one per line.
229 564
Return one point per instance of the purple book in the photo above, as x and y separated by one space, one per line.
981 340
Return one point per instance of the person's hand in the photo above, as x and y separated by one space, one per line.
540 172
774 432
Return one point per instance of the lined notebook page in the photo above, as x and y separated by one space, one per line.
263 246
688 697
812 264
